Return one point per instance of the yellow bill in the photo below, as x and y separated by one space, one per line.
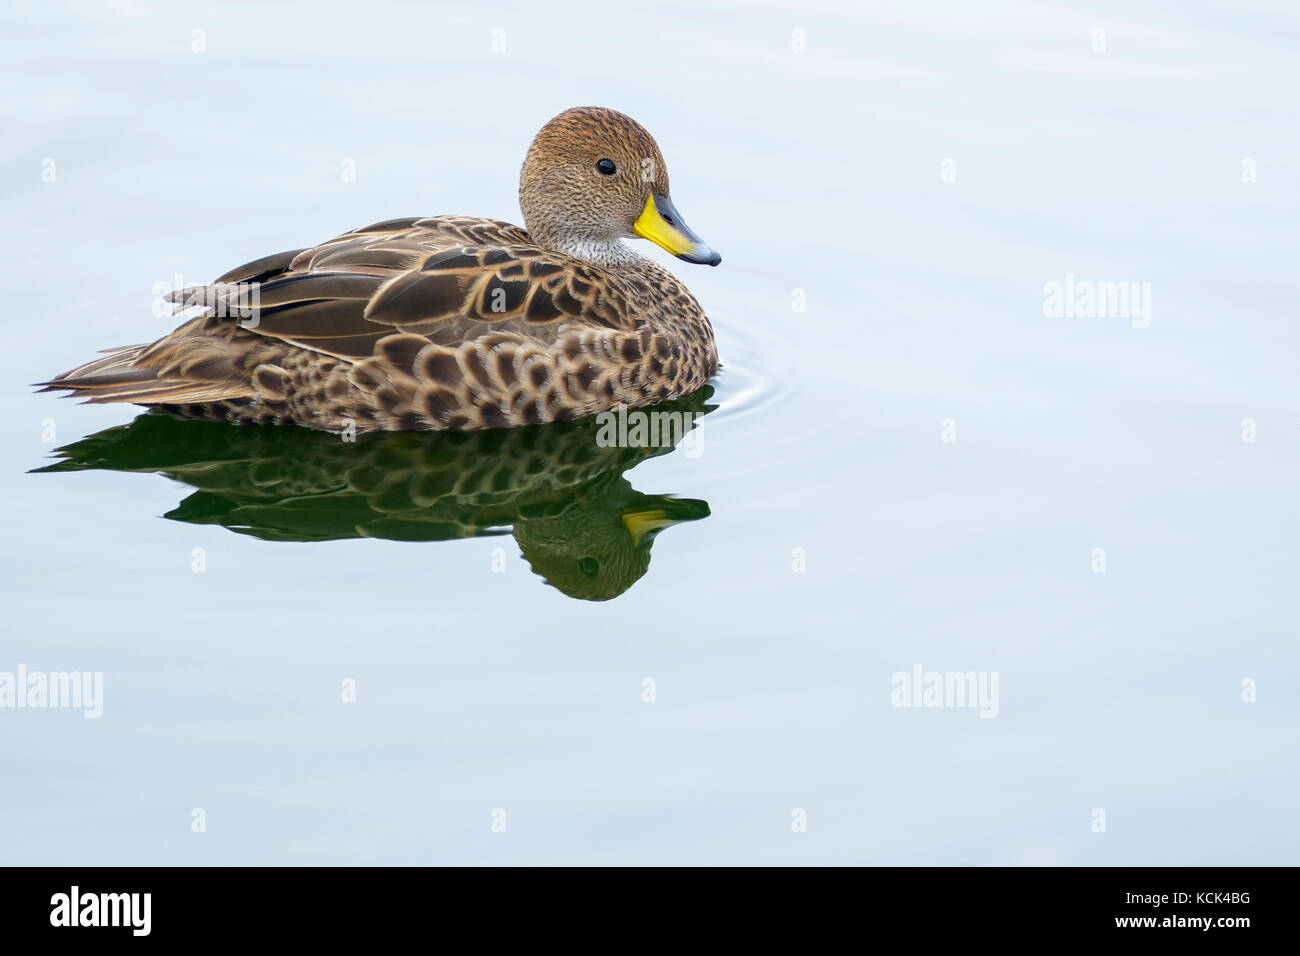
662 224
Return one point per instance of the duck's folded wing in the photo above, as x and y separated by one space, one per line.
425 277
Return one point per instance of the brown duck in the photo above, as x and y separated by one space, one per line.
449 322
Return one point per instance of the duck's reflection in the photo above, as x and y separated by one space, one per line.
559 488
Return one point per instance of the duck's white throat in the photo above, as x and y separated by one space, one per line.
607 252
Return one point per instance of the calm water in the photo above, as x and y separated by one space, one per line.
907 461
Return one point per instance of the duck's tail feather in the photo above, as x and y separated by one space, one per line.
117 378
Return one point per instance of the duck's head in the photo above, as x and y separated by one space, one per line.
594 177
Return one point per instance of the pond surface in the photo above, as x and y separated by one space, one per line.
526 648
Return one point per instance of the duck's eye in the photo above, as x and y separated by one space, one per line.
588 566
606 167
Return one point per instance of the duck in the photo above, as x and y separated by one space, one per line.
448 322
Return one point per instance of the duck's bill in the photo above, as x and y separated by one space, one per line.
647 518
662 224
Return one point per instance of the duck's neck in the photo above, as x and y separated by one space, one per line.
608 253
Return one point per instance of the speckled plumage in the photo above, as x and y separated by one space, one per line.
448 322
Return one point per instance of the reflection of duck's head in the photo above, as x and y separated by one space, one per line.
560 487
598 551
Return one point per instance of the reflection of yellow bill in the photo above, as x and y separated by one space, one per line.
662 224
641 523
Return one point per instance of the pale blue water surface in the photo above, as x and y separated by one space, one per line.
916 175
